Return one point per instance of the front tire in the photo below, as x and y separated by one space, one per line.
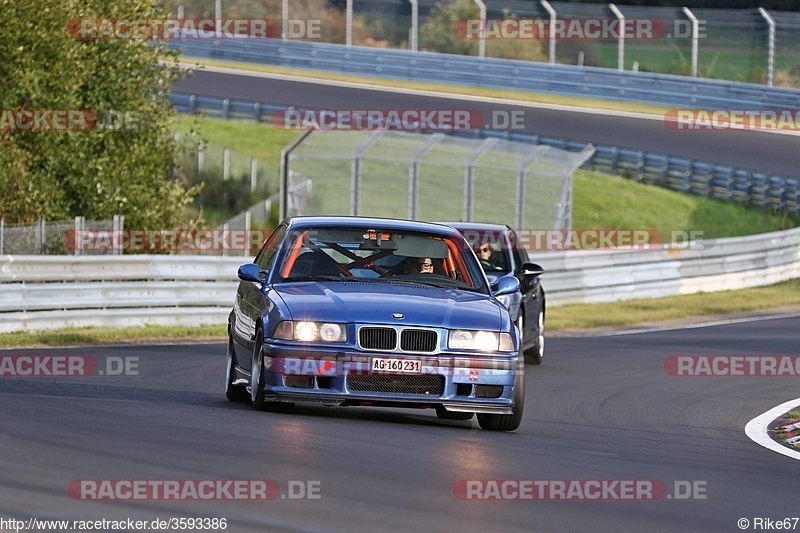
510 422
258 381
234 393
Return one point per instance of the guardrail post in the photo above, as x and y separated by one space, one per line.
257 111
192 104
621 39
770 45
553 16
201 148
226 109
2 235
226 164
180 11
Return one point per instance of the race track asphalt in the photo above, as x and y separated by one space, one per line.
598 408
765 152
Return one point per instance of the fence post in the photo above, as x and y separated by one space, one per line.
286 153
522 171
225 235
482 16
695 38
247 223
412 38
413 174
201 148
253 174
553 16
348 39
770 45
284 18
469 187
41 235
226 164
77 239
621 40
2 235
355 172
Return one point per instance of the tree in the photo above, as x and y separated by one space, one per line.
444 31
111 169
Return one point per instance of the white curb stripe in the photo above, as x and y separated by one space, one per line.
756 429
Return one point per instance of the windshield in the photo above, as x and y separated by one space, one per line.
373 254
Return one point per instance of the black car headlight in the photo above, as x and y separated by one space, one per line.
306 331
482 341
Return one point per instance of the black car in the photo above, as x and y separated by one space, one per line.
500 252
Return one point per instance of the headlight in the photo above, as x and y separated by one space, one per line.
483 341
305 331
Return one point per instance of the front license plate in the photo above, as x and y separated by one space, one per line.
391 365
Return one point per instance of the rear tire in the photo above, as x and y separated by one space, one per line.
510 422
444 414
234 393
534 354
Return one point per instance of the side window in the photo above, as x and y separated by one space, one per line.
520 254
267 252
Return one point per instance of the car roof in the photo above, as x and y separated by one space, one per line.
476 226
394 224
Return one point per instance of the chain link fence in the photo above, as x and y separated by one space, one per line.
733 44
432 177
47 237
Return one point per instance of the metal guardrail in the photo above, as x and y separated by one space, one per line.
703 178
593 82
194 290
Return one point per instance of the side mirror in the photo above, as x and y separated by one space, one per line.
532 269
506 285
251 272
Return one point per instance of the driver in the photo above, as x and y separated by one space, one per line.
418 265
484 253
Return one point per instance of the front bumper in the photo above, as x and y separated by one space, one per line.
458 381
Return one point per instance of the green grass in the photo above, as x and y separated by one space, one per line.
100 336
601 201
586 316
255 139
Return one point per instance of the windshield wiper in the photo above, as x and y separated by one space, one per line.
318 277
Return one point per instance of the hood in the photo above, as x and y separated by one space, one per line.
375 302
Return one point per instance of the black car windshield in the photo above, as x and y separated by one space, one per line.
375 254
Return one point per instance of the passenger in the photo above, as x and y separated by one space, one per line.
484 253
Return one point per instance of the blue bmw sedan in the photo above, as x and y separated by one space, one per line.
346 311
